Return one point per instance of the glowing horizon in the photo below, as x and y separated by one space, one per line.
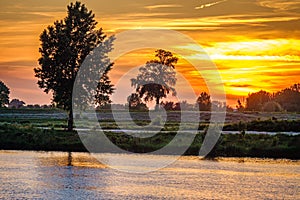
254 44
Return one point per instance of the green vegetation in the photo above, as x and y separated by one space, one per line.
30 111
250 145
27 137
46 129
266 125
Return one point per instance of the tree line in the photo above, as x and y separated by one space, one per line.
284 100
202 103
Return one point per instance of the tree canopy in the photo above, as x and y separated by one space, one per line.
104 89
287 99
4 95
64 47
16 103
255 101
136 103
157 78
204 102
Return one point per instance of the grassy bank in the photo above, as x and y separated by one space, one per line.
269 125
27 137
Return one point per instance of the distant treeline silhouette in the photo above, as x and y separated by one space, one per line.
287 99
284 100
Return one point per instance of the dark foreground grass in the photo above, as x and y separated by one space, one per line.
270 125
27 137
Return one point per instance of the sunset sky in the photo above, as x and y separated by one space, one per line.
254 43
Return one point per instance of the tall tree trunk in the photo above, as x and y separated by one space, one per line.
70 121
157 103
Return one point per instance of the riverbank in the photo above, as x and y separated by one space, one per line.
27 137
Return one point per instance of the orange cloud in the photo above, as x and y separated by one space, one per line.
209 4
254 44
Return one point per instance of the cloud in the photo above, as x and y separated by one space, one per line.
281 5
255 49
282 73
239 85
209 4
252 58
18 63
163 6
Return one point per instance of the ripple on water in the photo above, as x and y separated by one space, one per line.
42 175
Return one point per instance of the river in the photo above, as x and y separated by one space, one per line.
60 175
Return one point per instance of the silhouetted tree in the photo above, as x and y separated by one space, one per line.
104 89
204 102
16 103
30 106
182 105
289 98
272 106
45 106
4 95
135 103
229 108
177 106
295 87
255 101
157 78
64 46
36 106
240 106
168 105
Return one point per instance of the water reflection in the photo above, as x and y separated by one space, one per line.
69 158
59 175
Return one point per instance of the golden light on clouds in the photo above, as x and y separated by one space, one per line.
254 44
209 4
163 6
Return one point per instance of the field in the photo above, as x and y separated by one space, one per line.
45 129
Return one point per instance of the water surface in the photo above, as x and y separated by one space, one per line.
59 175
